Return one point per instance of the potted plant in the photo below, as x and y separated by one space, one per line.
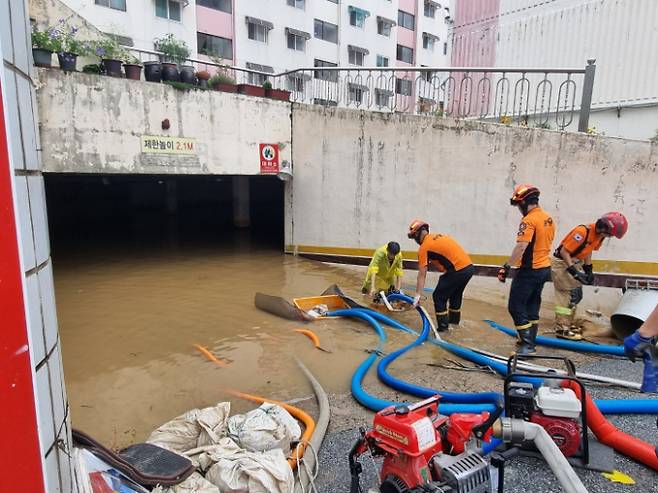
202 77
43 46
132 67
251 90
153 71
111 55
174 53
70 47
279 94
223 82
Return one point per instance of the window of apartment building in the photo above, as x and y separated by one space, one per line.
296 82
405 54
113 4
298 4
405 19
168 9
223 5
296 39
328 75
326 31
384 26
356 93
403 87
214 46
430 8
358 16
382 97
382 61
429 40
356 55
258 29
258 79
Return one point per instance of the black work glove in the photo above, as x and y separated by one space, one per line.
503 272
589 273
577 275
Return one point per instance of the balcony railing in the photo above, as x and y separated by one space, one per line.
543 97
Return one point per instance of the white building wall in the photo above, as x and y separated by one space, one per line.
621 35
438 27
139 21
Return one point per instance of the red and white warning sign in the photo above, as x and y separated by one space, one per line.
269 159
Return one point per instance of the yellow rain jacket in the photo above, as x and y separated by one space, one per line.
386 272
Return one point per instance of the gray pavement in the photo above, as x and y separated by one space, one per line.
523 474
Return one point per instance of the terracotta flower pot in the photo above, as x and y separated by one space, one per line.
133 72
279 94
250 90
225 87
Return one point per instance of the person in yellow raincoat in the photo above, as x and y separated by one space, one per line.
384 271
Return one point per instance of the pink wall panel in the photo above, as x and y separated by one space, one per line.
406 37
474 35
214 22
408 6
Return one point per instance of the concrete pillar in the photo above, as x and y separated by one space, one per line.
171 192
241 214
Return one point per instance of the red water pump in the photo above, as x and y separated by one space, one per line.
424 451
558 410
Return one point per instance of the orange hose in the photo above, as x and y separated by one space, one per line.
311 335
607 434
210 356
309 424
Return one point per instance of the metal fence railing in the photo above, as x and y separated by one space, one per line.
545 97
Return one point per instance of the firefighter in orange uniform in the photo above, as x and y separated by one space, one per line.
532 257
444 253
571 267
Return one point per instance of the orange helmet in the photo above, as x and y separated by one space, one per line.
416 226
523 192
613 223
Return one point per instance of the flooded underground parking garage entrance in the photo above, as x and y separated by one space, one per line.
147 267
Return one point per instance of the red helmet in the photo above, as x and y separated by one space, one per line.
523 192
613 223
416 226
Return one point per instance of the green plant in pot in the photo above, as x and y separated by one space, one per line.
222 81
174 53
62 39
252 90
111 55
44 44
132 67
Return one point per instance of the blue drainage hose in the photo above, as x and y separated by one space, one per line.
606 406
586 347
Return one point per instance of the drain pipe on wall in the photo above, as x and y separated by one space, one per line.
516 431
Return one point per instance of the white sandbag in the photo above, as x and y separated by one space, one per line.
195 428
266 428
240 471
194 484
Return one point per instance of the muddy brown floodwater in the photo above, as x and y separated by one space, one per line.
129 321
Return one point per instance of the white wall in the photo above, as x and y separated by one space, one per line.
94 124
361 177
139 21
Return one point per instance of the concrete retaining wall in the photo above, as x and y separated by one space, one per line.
94 124
361 177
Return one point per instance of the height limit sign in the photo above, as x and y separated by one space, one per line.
269 159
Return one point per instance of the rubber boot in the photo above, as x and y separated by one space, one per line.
454 316
527 345
442 322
